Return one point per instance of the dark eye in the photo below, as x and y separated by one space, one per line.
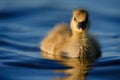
75 19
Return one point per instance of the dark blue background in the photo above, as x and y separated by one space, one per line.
23 24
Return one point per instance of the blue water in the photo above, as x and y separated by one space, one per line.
24 23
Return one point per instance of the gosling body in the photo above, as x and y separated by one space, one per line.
73 41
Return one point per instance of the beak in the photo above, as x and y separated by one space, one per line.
82 25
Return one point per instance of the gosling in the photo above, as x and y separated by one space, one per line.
73 41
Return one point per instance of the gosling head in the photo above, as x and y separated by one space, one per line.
79 21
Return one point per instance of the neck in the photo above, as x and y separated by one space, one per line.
79 35
79 43
80 38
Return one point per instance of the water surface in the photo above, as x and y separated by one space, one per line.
23 24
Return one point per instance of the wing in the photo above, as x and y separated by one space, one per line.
56 38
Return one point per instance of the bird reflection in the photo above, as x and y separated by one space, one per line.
80 67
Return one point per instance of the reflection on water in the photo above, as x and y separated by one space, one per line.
24 23
80 66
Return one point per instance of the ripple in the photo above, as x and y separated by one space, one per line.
23 25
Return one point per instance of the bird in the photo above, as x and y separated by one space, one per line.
73 40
